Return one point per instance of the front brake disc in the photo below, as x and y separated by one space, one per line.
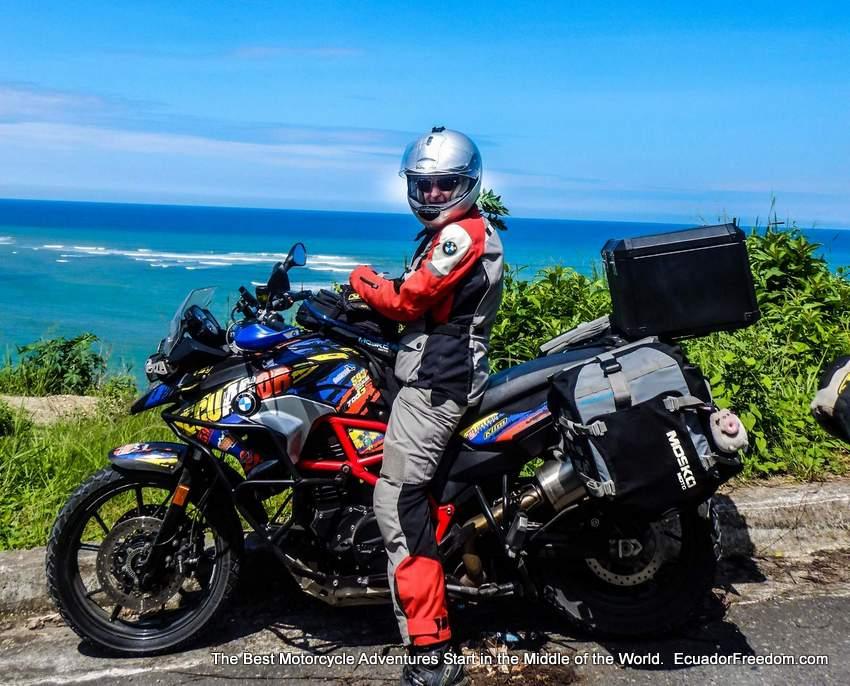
119 562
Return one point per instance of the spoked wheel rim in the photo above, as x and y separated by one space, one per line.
655 571
111 537
657 549
637 557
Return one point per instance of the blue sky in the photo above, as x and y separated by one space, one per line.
602 110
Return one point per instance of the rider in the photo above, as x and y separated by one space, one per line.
448 298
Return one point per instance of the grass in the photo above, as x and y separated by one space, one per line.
41 466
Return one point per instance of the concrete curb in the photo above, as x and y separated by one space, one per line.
789 519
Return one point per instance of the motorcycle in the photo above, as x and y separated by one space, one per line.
280 428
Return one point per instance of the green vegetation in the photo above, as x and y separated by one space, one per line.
766 373
40 467
11 422
61 365
491 206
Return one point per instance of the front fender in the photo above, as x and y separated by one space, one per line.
167 458
160 456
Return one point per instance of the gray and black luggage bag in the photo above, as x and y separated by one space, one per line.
636 423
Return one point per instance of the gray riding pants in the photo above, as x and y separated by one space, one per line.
417 435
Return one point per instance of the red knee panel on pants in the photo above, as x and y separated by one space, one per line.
421 591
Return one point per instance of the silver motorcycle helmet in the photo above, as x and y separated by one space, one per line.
450 160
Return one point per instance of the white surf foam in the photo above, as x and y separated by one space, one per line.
167 258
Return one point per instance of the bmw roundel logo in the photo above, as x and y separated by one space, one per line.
245 403
450 247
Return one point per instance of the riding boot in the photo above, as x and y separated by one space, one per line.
428 667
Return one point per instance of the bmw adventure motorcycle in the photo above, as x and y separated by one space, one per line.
280 430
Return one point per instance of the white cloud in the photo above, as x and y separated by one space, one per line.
74 137
21 101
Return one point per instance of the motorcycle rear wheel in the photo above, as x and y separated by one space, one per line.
114 515
653 593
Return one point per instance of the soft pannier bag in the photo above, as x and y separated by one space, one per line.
637 420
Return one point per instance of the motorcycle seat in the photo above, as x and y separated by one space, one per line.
526 378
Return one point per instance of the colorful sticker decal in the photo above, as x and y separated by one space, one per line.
342 374
226 443
158 395
272 382
156 455
330 375
132 448
366 441
481 425
500 427
361 393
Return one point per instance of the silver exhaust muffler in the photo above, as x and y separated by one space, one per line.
559 484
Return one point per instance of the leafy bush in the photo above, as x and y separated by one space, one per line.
767 373
119 388
56 365
7 419
13 422
116 395
536 311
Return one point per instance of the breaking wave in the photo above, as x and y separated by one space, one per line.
197 260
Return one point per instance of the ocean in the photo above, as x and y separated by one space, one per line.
120 271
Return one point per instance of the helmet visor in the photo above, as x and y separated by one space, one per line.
437 190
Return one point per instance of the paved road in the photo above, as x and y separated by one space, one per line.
790 608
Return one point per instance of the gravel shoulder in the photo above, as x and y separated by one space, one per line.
52 408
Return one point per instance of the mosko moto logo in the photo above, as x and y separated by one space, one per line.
686 475
382 347
450 247
245 403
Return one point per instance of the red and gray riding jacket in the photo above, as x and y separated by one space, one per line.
449 297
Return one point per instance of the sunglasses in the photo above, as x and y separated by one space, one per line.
444 183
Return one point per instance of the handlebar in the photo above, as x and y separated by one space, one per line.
287 300
249 307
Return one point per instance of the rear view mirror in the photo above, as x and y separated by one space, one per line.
297 256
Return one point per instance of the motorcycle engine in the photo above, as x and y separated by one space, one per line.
357 532
347 531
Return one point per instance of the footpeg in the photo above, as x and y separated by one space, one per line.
515 539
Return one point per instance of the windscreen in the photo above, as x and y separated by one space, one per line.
201 297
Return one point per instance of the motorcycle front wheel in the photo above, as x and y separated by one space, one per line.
94 566
651 580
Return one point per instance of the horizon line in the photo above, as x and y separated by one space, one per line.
202 205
